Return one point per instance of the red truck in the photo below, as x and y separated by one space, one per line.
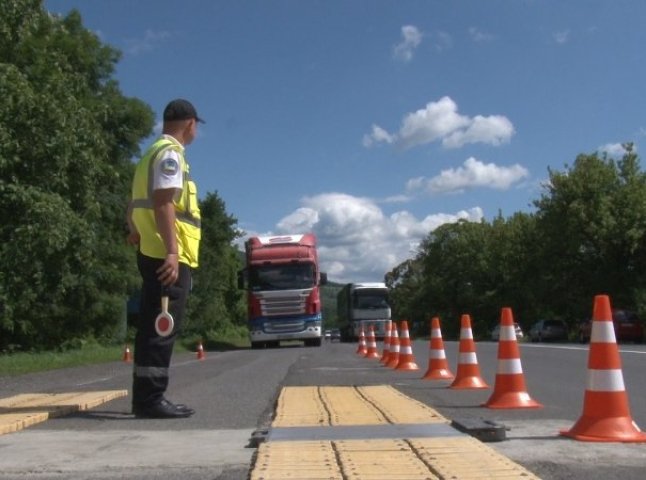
283 279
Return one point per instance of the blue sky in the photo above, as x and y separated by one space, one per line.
372 122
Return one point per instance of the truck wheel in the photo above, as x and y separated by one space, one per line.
257 345
313 342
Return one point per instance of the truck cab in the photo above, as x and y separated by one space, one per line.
282 279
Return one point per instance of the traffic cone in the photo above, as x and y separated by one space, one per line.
468 374
393 357
438 366
386 351
127 357
200 351
371 351
361 350
406 358
606 414
509 390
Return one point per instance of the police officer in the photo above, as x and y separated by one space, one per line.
164 220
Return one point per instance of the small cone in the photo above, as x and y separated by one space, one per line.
200 351
371 351
606 414
361 350
386 352
393 358
127 356
468 374
438 366
509 390
406 358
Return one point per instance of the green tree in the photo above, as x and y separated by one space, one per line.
67 136
593 221
216 304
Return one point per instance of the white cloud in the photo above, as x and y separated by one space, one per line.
411 38
478 35
441 121
473 173
149 42
377 135
614 150
357 242
561 37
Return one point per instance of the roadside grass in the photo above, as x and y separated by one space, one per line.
21 363
13 364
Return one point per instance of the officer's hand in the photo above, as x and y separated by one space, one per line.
169 271
133 238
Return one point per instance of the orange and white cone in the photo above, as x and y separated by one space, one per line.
468 373
200 351
606 414
361 349
509 390
127 356
386 351
406 358
371 351
393 358
438 366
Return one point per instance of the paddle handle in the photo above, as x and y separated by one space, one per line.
165 294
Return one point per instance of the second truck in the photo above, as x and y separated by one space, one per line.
362 305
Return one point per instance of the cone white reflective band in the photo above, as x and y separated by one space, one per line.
605 380
468 357
507 333
394 348
602 332
407 349
510 366
436 333
466 333
404 334
438 354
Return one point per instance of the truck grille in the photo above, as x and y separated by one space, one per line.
275 304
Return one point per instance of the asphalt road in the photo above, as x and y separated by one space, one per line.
234 394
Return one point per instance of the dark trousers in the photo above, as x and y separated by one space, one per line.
152 352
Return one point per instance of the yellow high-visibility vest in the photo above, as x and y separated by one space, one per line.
187 211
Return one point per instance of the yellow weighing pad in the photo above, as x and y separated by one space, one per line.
22 411
371 433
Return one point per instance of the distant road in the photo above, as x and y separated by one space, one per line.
234 394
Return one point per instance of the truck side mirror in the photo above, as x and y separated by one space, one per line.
323 278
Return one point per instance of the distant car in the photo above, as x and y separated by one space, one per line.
548 330
335 334
327 334
628 327
495 333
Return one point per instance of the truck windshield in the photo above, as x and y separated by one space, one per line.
370 299
282 277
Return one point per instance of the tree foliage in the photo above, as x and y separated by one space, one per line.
587 236
216 303
67 140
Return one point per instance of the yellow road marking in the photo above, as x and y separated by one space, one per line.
22 411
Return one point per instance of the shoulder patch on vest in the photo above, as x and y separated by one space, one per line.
169 166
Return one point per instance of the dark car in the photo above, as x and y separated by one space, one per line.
628 327
551 330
